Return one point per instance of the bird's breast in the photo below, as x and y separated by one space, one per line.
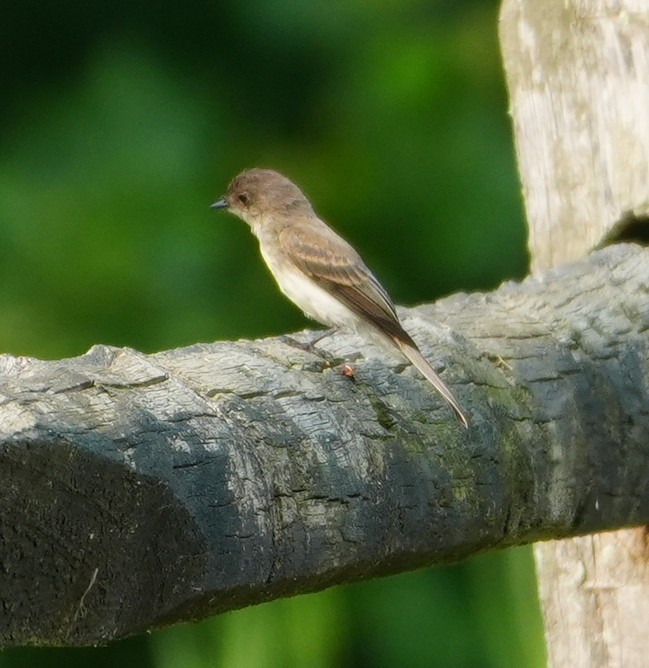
302 290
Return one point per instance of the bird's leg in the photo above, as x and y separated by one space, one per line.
310 347
321 335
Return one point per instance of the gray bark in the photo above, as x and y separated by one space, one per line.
578 78
137 490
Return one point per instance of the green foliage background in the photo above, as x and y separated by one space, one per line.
120 123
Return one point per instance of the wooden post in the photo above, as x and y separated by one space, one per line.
578 78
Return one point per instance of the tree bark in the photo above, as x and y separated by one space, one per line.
138 490
578 77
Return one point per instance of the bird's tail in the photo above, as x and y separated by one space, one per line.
413 354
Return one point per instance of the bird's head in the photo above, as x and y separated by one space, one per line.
256 194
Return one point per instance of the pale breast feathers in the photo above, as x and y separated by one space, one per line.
338 269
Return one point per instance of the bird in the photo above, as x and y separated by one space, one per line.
318 270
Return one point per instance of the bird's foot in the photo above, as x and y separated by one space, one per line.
308 346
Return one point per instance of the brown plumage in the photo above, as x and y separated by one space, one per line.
317 269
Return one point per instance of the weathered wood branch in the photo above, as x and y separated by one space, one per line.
136 490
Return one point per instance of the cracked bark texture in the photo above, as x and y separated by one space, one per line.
137 490
578 78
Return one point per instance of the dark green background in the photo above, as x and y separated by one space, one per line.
121 122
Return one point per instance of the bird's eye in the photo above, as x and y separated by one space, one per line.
244 198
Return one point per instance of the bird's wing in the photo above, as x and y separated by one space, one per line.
336 267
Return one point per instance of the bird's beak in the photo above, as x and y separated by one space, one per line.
220 204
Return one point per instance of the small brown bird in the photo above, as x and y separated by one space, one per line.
317 269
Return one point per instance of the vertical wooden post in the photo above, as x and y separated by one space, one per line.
578 79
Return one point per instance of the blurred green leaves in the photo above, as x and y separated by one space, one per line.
306 631
395 127
98 200
121 123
